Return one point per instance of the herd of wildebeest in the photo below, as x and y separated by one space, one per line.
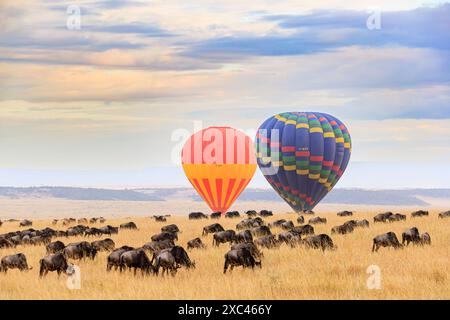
252 234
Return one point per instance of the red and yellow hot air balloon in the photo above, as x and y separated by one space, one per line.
219 162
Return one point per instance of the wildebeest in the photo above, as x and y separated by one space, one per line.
300 219
317 220
25 223
82 220
445 214
54 222
223 237
170 228
288 225
5 243
181 257
345 213
276 223
176 254
411 235
26 239
197 215
303 230
241 257
135 259
265 213
80 250
243 236
16 240
362 223
38 240
167 262
268 242
396 217
109 230
92 232
244 224
15 261
104 245
129 225
77 230
250 246
382 217
320 241
425 239
419 213
55 247
289 238
261 231
216 215
232 214
157 246
212 228
388 239
54 262
67 221
251 213
160 218
93 220
61 233
343 229
164 236
113 259
195 244
250 223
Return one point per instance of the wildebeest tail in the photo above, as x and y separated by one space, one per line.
41 267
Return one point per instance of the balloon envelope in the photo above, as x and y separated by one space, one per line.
303 155
219 162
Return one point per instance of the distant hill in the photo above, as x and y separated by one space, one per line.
71 193
337 196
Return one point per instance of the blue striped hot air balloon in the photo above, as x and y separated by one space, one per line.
303 155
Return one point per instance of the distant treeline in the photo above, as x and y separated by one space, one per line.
339 196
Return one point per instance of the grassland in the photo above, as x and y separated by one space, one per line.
412 273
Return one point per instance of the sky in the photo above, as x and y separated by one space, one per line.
103 93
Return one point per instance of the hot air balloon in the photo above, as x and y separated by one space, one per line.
219 162
303 155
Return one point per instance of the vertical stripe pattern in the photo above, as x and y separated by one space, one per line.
219 162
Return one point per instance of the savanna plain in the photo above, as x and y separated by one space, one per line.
415 272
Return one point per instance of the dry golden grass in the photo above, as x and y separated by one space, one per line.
412 273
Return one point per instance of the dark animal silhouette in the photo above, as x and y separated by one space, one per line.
212 228
388 239
54 262
241 257
15 261
411 235
223 237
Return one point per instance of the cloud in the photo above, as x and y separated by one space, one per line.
132 28
326 30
